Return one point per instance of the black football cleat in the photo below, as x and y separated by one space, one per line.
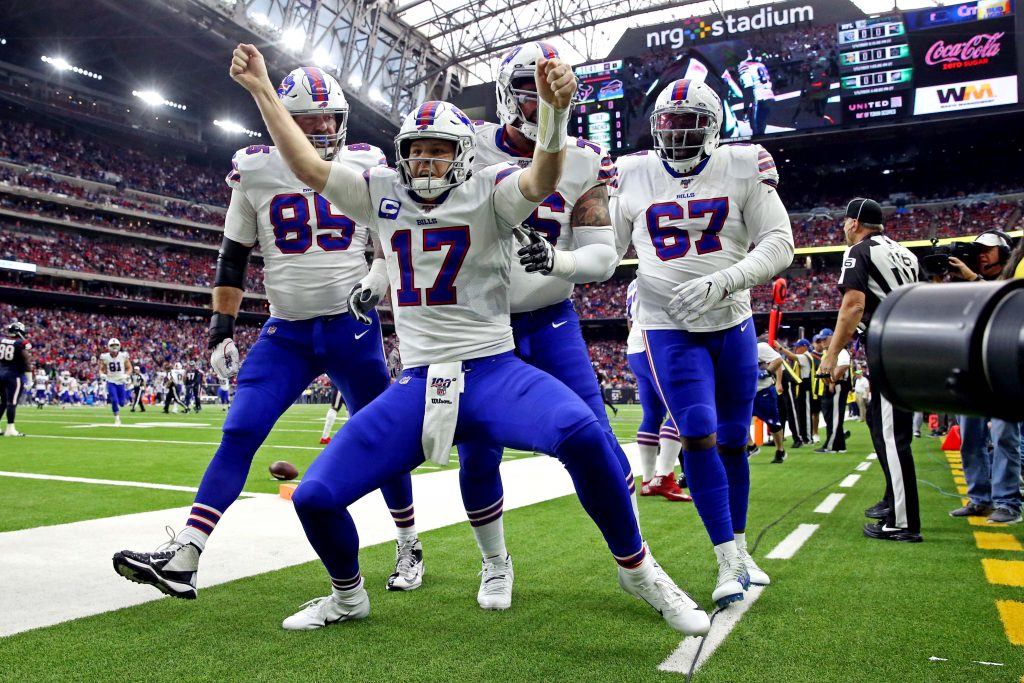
888 533
879 510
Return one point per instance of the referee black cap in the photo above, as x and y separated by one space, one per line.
864 210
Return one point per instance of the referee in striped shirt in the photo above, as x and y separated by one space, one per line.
873 266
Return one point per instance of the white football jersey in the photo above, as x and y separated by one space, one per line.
448 263
635 341
688 226
73 385
115 367
766 355
225 382
177 376
586 166
312 254
40 380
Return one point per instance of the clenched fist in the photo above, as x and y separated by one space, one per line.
556 83
249 69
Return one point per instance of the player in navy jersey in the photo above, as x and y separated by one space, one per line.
15 372
313 255
693 210
445 241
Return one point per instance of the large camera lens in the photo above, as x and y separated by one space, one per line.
951 348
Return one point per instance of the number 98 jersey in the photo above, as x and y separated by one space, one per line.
312 254
688 226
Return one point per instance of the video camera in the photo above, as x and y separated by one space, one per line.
937 262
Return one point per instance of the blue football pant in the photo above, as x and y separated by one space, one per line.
117 394
506 402
286 357
550 340
708 381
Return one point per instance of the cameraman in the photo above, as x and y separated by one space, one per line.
873 266
991 252
993 478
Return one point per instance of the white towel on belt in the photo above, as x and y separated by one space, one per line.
445 381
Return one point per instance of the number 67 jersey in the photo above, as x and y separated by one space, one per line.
688 226
312 254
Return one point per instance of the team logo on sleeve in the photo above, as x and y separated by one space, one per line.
389 208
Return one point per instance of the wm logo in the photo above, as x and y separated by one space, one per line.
969 92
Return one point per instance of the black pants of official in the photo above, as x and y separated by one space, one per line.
802 396
792 400
833 409
137 400
892 433
192 396
172 395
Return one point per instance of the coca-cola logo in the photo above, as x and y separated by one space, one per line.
981 46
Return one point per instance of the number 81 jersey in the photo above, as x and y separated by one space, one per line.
688 226
312 254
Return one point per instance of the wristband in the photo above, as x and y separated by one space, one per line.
551 127
222 326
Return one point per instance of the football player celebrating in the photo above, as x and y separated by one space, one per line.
313 255
116 365
573 242
694 209
15 372
450 287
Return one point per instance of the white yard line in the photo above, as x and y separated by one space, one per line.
256 535
829 504
849 481
792 543
114 482
863 467
725 621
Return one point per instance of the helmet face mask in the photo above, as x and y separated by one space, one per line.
518 69
114 345
309 90
16 329
436 121
686 123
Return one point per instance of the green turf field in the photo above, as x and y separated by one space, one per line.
844 608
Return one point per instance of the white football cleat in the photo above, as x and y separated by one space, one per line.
496 579
408 573
655 587
117 420
758 576
328 610
732 575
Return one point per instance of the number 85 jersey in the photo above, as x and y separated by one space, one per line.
688 226
312 254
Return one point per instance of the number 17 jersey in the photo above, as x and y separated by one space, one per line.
688 226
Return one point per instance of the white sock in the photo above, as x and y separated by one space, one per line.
645 570
490 538
192 535
636 508
648 458
406 534
741 540
332 415
668 456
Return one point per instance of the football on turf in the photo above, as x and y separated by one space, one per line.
283 470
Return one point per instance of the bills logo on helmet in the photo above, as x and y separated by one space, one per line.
286 86
510 56
462 117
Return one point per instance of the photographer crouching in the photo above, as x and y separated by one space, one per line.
993 477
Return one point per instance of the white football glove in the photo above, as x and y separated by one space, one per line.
224 359
362 300
696 297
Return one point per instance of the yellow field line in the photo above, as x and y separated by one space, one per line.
1012 614
995 541
1004 572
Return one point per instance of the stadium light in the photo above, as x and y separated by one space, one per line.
155 99
355 80
61 64
322 58
232 127
293 39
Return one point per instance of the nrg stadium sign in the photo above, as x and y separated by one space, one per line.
692 31
695 29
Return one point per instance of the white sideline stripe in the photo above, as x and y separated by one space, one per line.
792 543
256 535
830 503
115 482
849 481
681 660
862 467
186 443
